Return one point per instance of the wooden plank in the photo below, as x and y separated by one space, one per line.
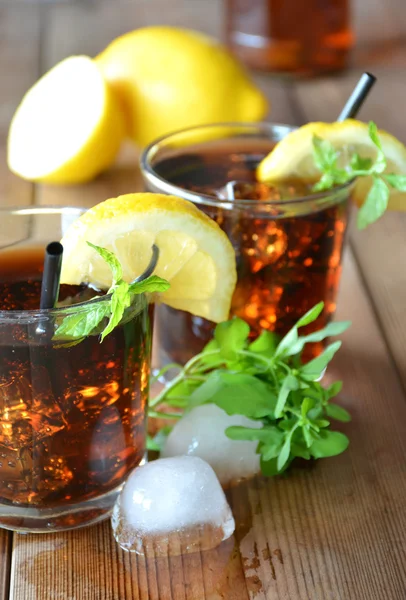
5 561
68 26
19 68
19 62
322 533
378 32
333 531
380 250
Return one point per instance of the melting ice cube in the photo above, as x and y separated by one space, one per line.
201 433
172 506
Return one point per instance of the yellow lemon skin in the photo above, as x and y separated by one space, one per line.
195 255
292 157
169 79
68 127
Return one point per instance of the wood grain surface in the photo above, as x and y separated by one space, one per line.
19 68
336 530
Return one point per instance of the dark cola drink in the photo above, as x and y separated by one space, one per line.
288 243
72 417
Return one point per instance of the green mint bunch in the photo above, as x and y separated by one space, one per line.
80 323
264 380
326 159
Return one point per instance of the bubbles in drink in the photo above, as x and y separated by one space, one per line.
172 506
202 433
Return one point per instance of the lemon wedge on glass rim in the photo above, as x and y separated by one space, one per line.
195 255
292 157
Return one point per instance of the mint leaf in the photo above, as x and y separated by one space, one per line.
284 453
284 396
307 405
244 394
231 336
396 181
324 154
265 344
120 300
153 283
338 412
267 435
210 354
326 160
269 468
289 384
119 297
83 321
329 443
208 390
272 448
291 338
326 182
334 389
110 259
380 161
375 204
307 435
313 369
360 164
311 315
317 336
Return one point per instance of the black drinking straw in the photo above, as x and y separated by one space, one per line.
358 96
52 274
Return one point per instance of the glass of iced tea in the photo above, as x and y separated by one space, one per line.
288 240
290 36
72 416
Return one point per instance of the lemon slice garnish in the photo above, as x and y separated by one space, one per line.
292 157
196 256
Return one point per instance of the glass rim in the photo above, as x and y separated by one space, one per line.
16 315
166 187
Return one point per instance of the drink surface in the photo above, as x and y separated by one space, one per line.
289 36
285 264
72 419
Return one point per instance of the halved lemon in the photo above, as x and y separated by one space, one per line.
292 156
196 256
68 127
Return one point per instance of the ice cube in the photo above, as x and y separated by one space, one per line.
201 433
265 245
172 506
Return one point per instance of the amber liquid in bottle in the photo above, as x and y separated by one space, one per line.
303 37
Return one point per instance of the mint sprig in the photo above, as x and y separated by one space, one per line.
264 380
89 317
326 158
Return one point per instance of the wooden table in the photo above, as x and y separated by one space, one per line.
333 532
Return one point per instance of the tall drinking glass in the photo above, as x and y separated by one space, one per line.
72 415
288 240
307 37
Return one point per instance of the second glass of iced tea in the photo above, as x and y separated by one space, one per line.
288 240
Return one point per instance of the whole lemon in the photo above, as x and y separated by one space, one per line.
168 78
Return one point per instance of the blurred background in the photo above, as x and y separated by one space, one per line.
36 35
